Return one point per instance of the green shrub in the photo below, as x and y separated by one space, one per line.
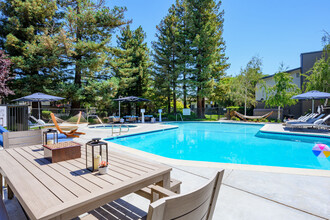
272 121
46 114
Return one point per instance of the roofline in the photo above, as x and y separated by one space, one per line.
318 51
288 71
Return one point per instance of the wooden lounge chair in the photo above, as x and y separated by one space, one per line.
245 117
199 204
71 133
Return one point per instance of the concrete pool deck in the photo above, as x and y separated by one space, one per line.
244 194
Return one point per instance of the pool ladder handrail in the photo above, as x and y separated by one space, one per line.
97 117
119 128
176 116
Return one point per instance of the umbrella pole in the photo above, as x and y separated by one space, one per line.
39 109
312 105
119 109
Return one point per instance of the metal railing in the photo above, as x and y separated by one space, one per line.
120 130
176 116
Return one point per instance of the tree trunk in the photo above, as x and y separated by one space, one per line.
279 113
75 106
203 107
174 98
168 100
184 88
199 104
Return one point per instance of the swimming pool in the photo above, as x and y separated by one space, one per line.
230 143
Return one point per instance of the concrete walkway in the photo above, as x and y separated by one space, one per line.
243 194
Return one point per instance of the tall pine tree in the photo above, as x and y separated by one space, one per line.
88 28
166 57
205 25
29 35
132 63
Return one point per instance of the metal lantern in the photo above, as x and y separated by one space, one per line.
50 136
94 148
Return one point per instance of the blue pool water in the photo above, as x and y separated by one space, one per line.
230 143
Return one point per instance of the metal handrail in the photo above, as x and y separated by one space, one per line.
176 116
120 126
97 117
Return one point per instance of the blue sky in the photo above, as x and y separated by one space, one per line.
276 31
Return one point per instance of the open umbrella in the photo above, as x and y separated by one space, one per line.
39 97
130 99
312 95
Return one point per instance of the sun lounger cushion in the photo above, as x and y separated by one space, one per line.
2 129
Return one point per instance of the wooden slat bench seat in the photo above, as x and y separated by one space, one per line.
146 191
3 211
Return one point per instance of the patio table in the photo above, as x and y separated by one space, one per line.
67 189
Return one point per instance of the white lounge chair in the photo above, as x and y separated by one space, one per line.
40 122
320 123
310 120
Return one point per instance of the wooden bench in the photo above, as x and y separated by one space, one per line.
3 211
146 191
21 138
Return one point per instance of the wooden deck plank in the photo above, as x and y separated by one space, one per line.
90 186
124 165
104 188
67 182
55 187
83 172
28 187
82 167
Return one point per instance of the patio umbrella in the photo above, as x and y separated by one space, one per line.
312 95
130 99
39 97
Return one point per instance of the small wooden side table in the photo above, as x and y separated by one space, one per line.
62 151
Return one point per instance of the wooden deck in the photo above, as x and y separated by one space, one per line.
66 189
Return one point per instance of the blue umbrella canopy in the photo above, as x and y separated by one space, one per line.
312 95
132 99
39 97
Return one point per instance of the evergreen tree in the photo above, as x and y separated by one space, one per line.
205 25
87 31
166 57
132 63
29 35
135 73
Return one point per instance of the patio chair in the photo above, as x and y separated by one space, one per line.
199 204
71 133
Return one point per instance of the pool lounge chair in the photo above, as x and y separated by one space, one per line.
71 133
40 122
304 118
199 204
310 120
319 124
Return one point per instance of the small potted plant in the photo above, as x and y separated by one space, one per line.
103 167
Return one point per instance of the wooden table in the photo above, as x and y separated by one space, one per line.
66 189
